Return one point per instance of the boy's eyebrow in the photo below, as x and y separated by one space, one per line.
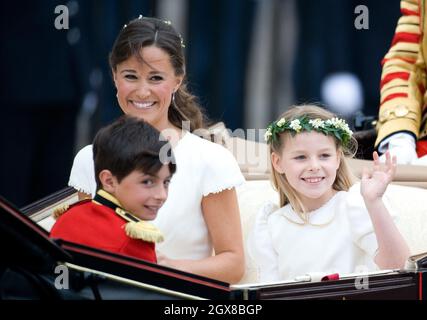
154 175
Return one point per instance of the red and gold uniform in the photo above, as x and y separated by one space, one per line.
403 81
102 224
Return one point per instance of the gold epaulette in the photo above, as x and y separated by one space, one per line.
139 229
61 209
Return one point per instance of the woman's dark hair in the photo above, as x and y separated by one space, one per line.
130 144
144 32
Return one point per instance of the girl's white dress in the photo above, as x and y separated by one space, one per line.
339 239
203 167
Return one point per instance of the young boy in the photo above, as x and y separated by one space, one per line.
132 185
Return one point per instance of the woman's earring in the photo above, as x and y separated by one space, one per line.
173 98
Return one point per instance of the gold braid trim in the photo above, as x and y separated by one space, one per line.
139 229
135 228
60 210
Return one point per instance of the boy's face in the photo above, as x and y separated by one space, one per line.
142 194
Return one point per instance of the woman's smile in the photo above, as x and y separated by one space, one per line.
142 104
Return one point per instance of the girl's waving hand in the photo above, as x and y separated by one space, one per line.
375 181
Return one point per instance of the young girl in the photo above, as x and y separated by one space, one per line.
324 224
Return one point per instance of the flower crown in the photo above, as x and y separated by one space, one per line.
335 127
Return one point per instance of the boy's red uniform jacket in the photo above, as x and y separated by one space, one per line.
92 224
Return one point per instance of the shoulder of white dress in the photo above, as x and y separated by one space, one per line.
267 209
211 151
86 151
194 138
82 170
353 197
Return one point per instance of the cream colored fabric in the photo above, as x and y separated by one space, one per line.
251 196
339 239
406 194
203 168
253 159
407 203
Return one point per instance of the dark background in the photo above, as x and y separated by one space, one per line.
57 91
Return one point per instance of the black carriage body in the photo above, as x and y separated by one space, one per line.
399 285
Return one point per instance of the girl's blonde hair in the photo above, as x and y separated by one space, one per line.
344 179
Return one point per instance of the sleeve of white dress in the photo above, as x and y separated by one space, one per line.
260 246
221 171
361 226
82 176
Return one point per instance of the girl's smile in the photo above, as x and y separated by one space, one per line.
309 161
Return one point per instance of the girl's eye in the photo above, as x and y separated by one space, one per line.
130 77
325 155
166 183
300 157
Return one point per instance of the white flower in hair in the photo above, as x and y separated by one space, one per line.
295 125
337 123
281 122
341 124
267 134
345 128
331 122
317 123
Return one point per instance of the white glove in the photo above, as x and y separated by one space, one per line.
401 145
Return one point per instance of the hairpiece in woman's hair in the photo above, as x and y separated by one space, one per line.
182 41
335 127
139 18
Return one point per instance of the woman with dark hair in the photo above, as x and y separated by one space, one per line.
200 219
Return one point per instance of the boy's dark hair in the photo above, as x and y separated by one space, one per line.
129 144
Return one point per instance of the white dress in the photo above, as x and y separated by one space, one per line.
339 239
203 167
